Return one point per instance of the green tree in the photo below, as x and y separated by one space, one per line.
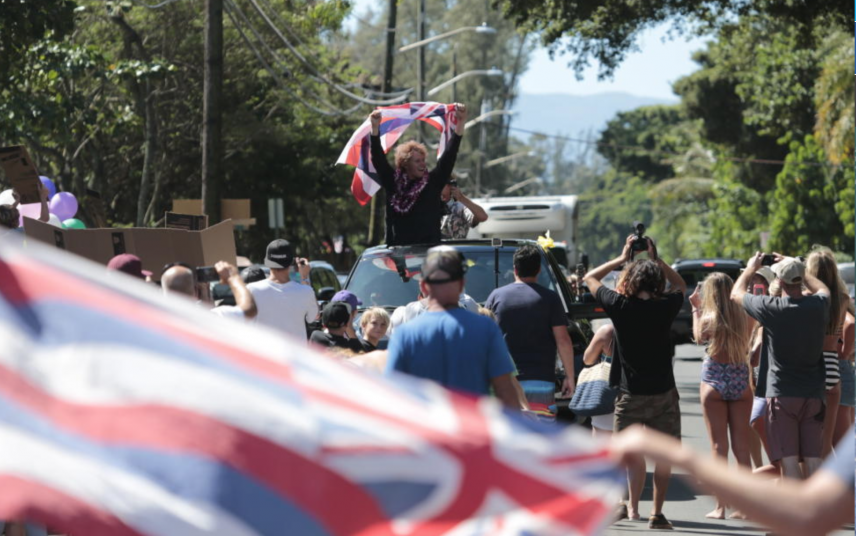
737 216
23 23
803 206
607 30
643 142
607 213
834 98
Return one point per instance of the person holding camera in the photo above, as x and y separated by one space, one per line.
642 311
182 279
412 192
794 326
460 214
285 305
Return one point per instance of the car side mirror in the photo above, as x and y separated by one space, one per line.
326 293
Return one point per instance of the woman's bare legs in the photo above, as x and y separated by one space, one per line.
739 412
833 396
843 422
715 411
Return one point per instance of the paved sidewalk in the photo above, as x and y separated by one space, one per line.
685 507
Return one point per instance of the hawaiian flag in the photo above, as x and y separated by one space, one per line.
124 412
394 121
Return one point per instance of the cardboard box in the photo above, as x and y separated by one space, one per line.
188 222
237 210
155 247
21 172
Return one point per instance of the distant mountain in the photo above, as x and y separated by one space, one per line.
558 113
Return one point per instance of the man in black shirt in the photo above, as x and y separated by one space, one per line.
642 313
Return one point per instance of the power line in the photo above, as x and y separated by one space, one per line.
155 6
275 75
312 69
762 161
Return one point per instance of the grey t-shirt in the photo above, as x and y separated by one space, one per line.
793 335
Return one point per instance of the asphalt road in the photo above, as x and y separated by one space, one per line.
684 506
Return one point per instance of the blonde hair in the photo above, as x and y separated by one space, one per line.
374 313
821 264
484 311
404 152
722 323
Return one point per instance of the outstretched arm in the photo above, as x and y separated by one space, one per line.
446 163
593 277
381 164
742 283
814 506
243 297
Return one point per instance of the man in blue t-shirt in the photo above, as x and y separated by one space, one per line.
454 347
533 322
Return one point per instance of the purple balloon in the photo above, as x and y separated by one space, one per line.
64 205
47 183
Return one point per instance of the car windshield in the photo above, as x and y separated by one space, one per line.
694 276
390 278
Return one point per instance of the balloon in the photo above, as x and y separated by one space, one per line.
47 183
55 221
73 223
64 205
6 197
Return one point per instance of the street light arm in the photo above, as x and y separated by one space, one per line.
484 28
447 83
484 116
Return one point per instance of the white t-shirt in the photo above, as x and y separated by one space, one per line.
406 313
228 311
286 307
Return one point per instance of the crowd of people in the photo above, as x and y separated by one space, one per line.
778 371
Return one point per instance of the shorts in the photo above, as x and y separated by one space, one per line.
539 391
759 409
659 412
794 427
848 383
603 422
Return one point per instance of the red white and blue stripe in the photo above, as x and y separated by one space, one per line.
394 121
123 412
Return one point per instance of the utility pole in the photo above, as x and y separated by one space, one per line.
376 219
420 65
212 117
485 108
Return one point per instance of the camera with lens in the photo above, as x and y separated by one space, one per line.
767 260
453 182
640 242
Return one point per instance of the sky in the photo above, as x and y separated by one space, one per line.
648 72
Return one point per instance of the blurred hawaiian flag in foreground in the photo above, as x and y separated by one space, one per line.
123 412
394 121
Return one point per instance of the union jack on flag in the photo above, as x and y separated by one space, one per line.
394 121
127 413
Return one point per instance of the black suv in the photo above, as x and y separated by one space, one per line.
389 277
693 272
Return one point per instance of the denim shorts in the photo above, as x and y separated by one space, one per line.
848 383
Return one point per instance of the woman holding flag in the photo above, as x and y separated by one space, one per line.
413 208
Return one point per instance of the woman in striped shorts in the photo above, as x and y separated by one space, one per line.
821 264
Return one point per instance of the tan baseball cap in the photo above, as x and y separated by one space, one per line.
766 273
791 271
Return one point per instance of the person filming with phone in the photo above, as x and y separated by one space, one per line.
642 311
283 304
460 214
794 326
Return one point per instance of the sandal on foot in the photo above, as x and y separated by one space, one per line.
659 522
621 512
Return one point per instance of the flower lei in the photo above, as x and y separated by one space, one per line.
406 191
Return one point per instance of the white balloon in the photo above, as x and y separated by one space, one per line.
55 221
6 197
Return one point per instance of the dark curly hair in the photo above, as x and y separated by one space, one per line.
644 275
